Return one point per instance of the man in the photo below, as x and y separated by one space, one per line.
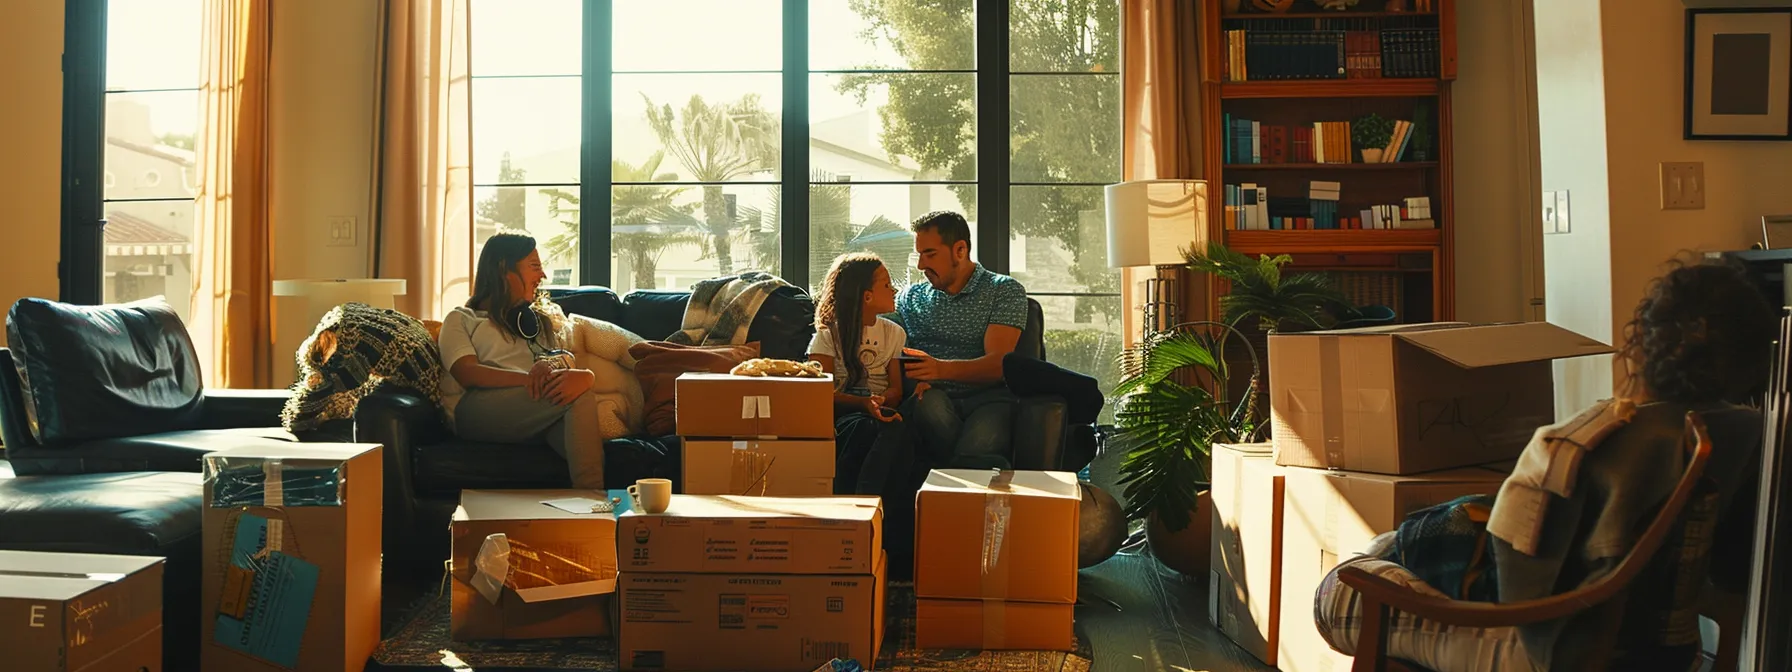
960 324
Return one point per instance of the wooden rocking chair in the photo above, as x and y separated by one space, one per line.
1380 596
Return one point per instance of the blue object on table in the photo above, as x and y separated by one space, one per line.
621 500
1368 316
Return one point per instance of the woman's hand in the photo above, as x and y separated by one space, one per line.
539 377
874 405
565 385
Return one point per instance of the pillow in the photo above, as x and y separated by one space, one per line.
658 365
97 372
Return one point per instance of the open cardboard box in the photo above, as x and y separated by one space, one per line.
526 570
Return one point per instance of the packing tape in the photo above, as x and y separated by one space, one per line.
491 567
755 406
276 535
997 511
750 470
273 487
1331 398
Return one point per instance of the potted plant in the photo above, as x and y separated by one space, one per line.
1166 428
1371 133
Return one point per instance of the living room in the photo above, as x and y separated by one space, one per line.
1562 121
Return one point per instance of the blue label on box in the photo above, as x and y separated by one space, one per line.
281 587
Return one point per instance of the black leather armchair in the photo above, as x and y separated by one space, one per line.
427 466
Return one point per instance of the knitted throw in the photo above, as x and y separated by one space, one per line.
355 349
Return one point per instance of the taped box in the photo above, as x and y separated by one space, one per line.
720 405
751 535
292 557
1330 516
1244 588
995 550
532 564
750 622
68 612
1413 398
758 467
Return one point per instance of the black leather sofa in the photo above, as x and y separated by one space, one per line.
427 466
122 425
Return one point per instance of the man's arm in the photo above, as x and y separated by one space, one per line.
998 341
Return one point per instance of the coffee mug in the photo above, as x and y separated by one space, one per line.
651 495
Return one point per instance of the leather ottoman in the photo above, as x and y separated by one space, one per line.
142 513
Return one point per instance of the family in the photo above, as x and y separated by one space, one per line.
508 382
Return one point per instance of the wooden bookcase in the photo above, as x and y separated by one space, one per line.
1417 264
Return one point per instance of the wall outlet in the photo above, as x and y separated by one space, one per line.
1683 185
343 230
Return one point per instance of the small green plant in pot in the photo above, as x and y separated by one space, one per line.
1173 408
1371 133
1297 302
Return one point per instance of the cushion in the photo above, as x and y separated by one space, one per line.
658 364
654 313
93 372
784 324
594 302
125 514
166 451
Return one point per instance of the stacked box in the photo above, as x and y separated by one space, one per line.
756 435
1244 587
292 557
532 564
996 560
763 583
67 612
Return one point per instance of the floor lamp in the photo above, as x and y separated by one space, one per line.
1152 223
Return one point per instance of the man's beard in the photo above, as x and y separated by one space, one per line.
940 280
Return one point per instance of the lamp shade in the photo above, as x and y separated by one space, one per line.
1151 221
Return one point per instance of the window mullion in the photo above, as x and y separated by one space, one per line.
992 134
83 152
793 169
596 77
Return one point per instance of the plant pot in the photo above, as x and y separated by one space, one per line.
1189 551
1371 156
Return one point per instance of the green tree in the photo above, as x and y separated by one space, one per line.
1062 128
180 140
645 221
506 206
831 230
718 143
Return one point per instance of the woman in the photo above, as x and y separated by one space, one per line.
508 381
1701 340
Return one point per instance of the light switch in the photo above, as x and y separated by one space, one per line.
1555 212
1683 185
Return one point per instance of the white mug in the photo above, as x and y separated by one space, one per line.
650 495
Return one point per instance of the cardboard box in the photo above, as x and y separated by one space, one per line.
292 558
547 572
750 622
760 467
68 612
993 625
719 405
1244 589
1413 398
754 535
1026 521
1329 516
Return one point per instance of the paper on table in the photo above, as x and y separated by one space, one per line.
579 505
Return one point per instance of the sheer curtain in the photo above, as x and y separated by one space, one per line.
1161 112
424 178
231 280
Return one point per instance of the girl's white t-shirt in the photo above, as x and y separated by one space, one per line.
467 332
877 344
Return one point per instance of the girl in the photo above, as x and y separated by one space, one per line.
854 343
507 381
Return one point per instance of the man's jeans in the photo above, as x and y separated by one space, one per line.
969 429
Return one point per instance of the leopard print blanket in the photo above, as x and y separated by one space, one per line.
355 350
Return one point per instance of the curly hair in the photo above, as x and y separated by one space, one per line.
1704 332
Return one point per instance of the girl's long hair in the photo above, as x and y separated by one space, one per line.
841 310
491 288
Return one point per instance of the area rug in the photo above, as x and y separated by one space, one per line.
422 641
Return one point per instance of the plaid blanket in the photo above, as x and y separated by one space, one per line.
1446 546
721 310
356 349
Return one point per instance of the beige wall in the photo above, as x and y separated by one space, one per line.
1496 184
30 177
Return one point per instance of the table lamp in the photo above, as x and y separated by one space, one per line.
1151 223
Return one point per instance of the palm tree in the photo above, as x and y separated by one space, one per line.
645 221
718 143
831 230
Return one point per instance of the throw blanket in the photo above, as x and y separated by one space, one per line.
1446 546
355 349
721 309
1550 466
602 348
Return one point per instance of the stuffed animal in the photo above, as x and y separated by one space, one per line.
777 368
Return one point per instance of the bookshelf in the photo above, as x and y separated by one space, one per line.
1275 84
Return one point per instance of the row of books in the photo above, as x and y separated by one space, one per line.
1249 207
1251 142
1270 55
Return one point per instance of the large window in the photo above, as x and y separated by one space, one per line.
727 135
152 125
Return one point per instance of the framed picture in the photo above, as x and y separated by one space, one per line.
1738 74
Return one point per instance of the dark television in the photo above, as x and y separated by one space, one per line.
1766 267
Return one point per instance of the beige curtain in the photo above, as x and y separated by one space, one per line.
1161 109
424 177
232 283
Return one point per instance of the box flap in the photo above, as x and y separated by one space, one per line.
63 576
823 379
296 453
1496 344
783 511
1379 330
567 591
523 505
1060 484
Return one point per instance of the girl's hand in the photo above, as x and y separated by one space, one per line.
539 377
568 384
921 388
874 405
